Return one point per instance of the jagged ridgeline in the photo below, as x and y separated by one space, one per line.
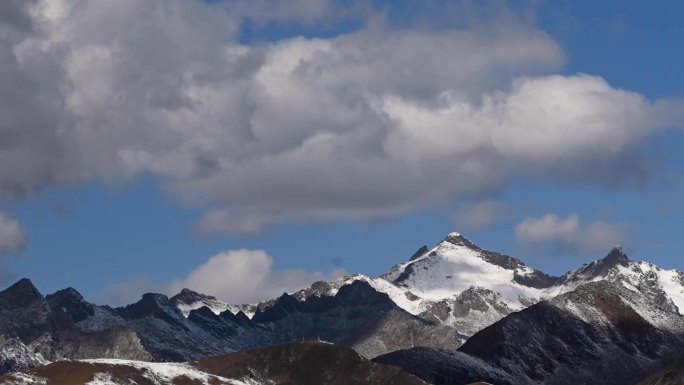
453 313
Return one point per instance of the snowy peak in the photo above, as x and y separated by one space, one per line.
457 263
602 267
663 288
615 257
188 300
498 259
459 240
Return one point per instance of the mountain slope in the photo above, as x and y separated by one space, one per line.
672 375
357 316
457 264
600 333
300 363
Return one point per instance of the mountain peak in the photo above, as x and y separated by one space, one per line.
69 292
189 296
459 240
616 256
69 300
20 295
23 287
601 267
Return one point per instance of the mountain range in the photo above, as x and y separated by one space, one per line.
452 314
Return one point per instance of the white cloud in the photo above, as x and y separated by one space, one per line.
569 235
246 276
13 237
235 276
373 123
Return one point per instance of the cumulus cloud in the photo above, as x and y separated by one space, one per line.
247 276
570 235
235 276
13 237
478 215
373 123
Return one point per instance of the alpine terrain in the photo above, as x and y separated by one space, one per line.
451 314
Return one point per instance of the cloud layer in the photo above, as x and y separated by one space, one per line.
373 123
570 235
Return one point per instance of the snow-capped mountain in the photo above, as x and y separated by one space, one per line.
456 264
440 298
459 284
663 287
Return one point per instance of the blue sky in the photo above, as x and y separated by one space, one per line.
115 230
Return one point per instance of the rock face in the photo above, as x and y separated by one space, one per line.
34 329
14 355
301 363
357 316
469 311
600 333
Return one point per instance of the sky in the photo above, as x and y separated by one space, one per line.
243 148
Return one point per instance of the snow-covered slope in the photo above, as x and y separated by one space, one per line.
14 355
117 372
664 288
161 373
456 264
300 363
600 333
188 300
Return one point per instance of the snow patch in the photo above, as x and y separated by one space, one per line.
102 379
26 379
672 285
163 372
